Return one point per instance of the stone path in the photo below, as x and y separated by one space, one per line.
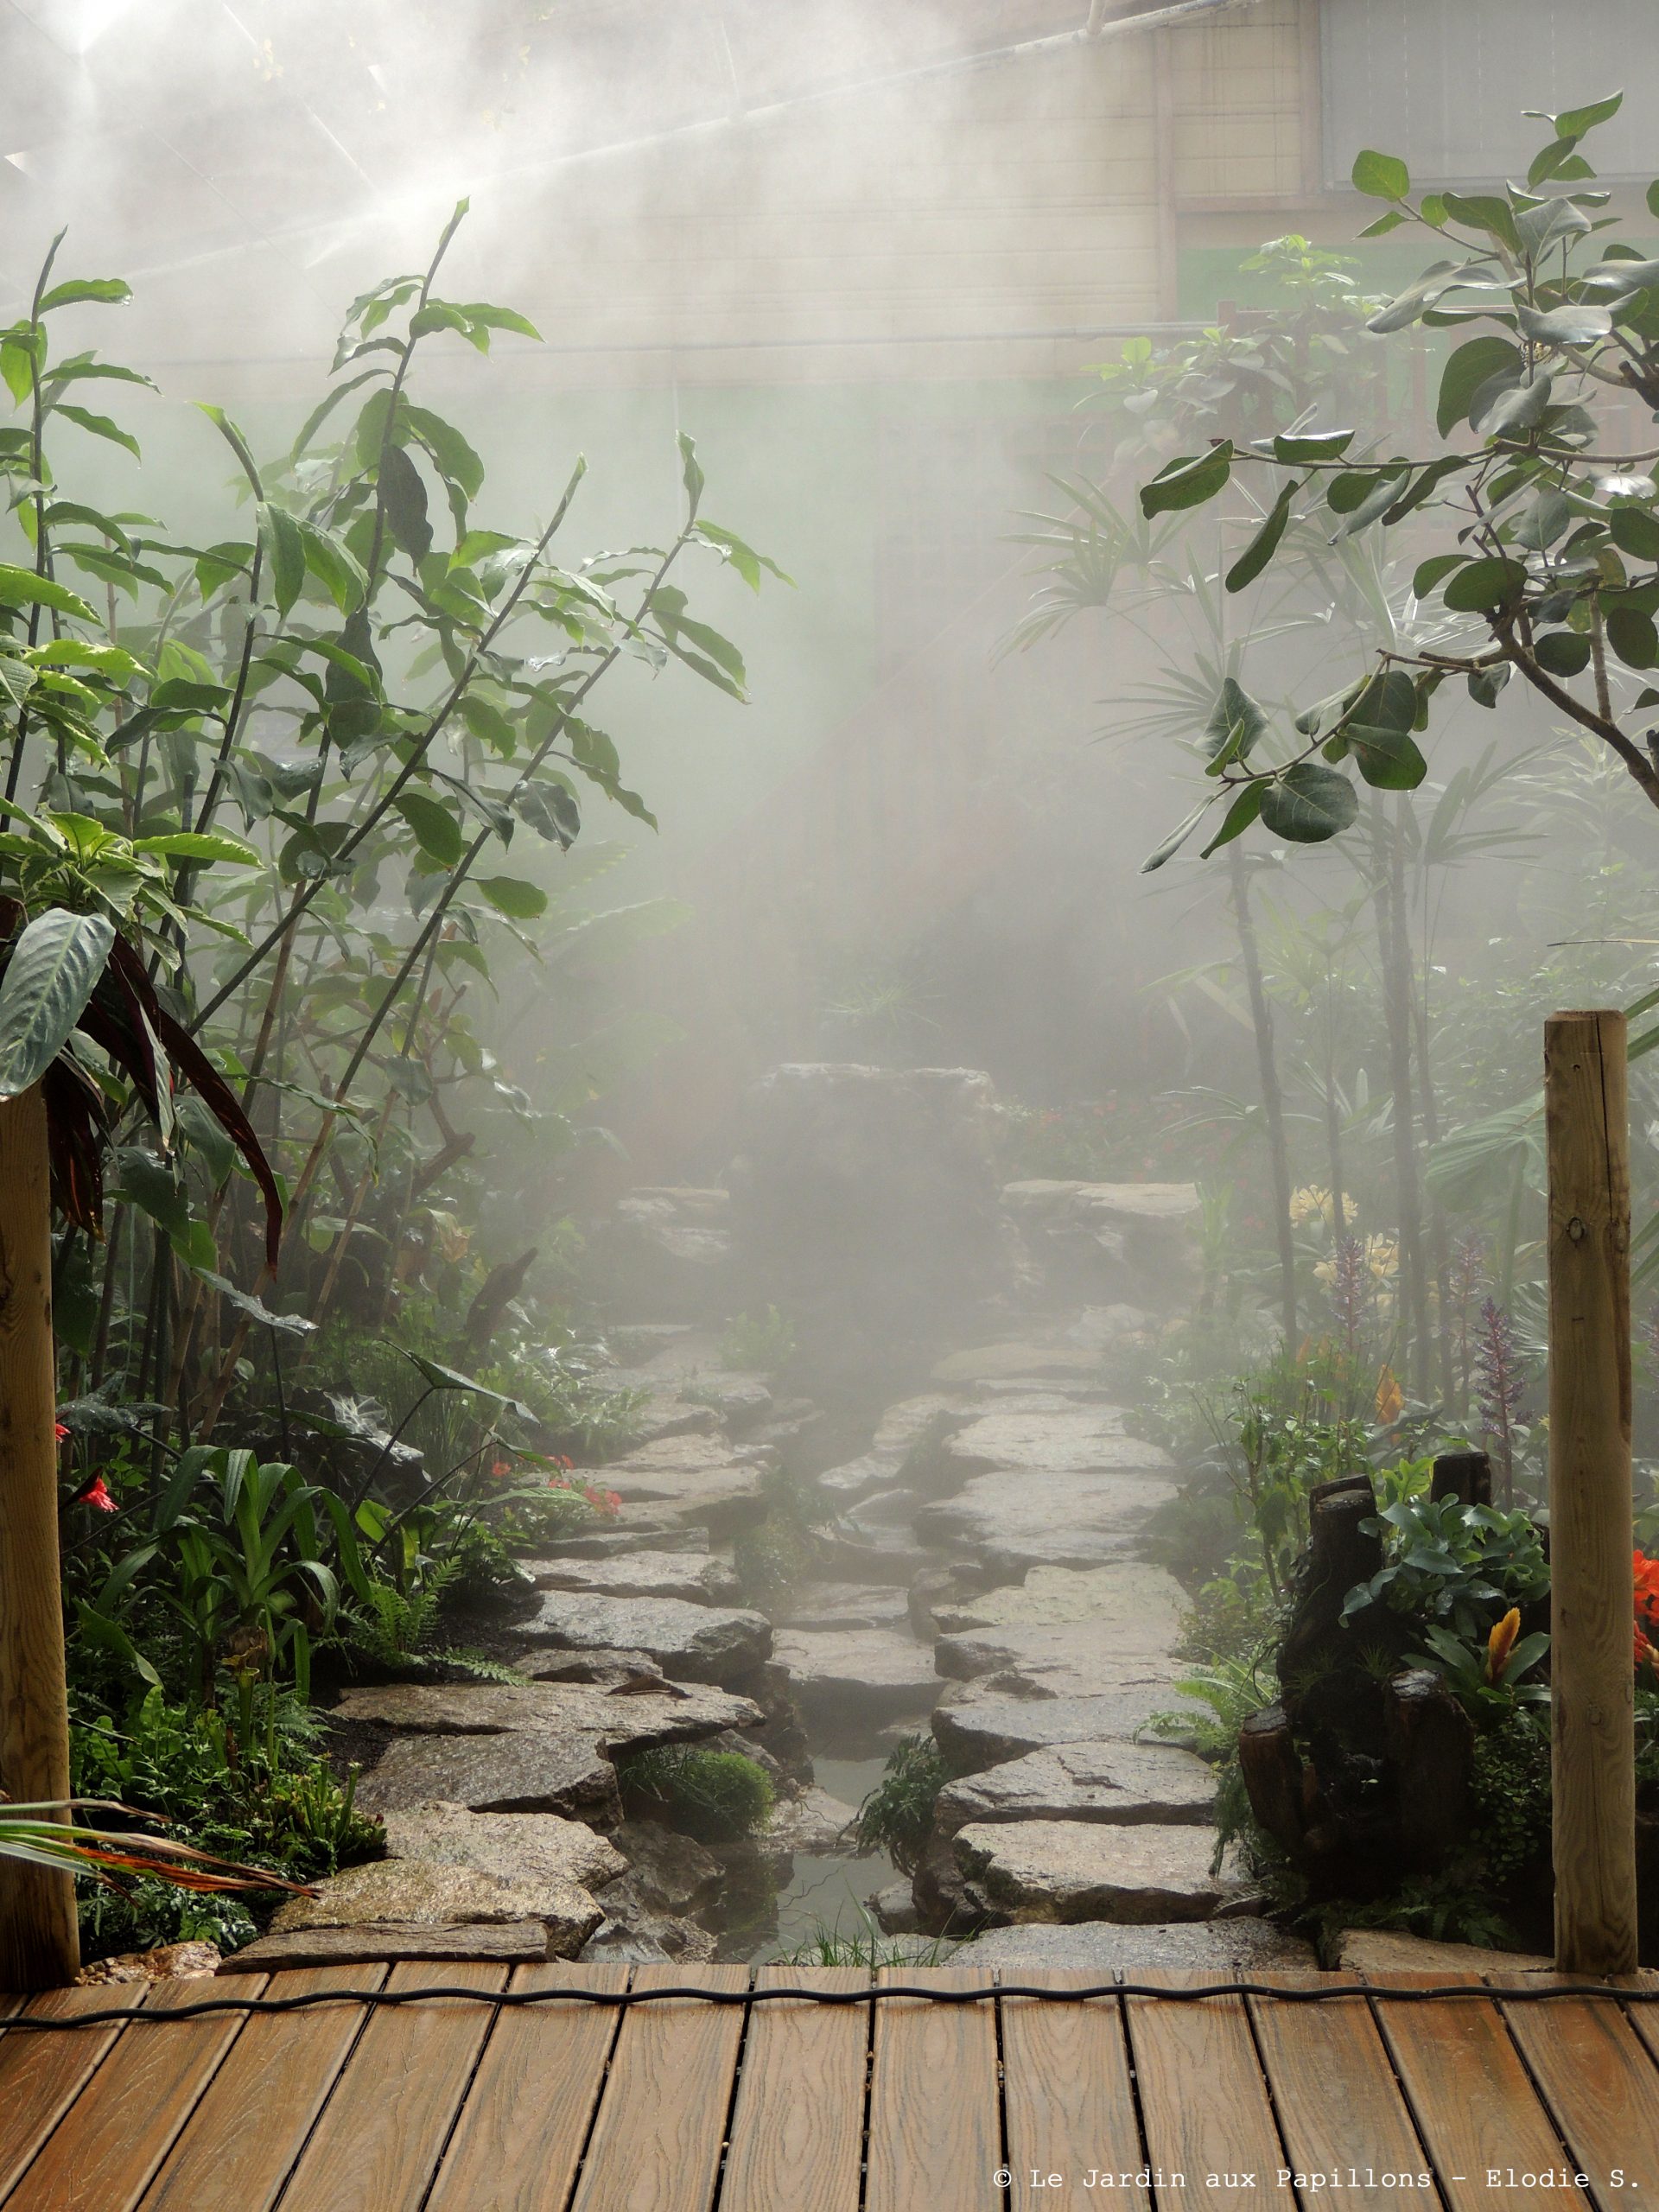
976 1576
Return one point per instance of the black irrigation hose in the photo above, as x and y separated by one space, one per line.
555 1993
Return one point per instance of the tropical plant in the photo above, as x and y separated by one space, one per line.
897 1817
1452 1565
717 1796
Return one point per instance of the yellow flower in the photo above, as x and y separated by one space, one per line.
1501 1643
1382 1256
1390 1398
1309 1203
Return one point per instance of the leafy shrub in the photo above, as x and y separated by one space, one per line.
716 1796
758 1344
1453 1565
897 1816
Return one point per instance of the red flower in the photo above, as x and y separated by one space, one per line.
499 1467
96 1494
607 1503
1645 1574
59 1431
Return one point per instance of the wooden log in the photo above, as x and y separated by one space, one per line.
39 1947
1591 1606
1466 1476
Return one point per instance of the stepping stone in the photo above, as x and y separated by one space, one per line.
1220 1950
1066 1441
694 1480
1386 1950
664 1413
512 1846
814 1823
690 1643
1078 1870
523 1771
619 1720
1149 1601
1112 1783
1079 1659
854 1479
1015 1520
986 1727
894 1910
913 1421
693 1576
1017 1362
841 1604
857 1675
517 1943
423 1893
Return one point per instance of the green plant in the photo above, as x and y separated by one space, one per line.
759 1343
830 1944
395 1629
717 1796
1453 1565
897 1817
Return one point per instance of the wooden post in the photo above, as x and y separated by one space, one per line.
39 1947
1591 1591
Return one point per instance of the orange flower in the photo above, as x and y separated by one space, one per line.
1501 1643
1390 1398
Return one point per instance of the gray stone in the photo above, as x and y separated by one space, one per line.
1017 1361
642 1574
1147 1603
512 1943
1059 1440
854 1479
915 1423
425 1893
618 1672
619 1720
690 1643
1076 1869
986 1727
1224 1950
693 1480
664 1412
1079 1659
740 1401
1112 1782
814 1823
512 1846
1386 1950
523 1771
895 1909
841 1605
1016 1520
865 1674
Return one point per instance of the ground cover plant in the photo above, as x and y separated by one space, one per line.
287 803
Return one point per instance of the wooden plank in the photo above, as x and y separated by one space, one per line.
519 2139
656 2145
383 2130
798 2128
1206 2104
239 2145
42 2075
936 2137
1340 2110
1070 2103
1644 2019
1475 2107
1600 2082
124 2121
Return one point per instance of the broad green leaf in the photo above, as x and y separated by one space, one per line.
440 1378
284 556
1545 226
99 426
1176 837
335 567
52 971
290 1324
1188 481
1517 407
1263 547
1467 368
112 661
1561 652
454 458
1244 809
509 895
106 291
1380 176
1481 587
1482 211
1429 573
549 806
238 444
1236 723
1373 507
405 498
1632 637
21 588
1311 445
1486 684
1635 531
1575 325
1309 804
436 831
1573 122
199 845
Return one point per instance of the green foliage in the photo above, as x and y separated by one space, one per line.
716 1796
832 1944
897 1817
395 1630
1453 1565
759 1343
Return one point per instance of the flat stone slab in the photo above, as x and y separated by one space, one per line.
843 1605
425 1893
1060 1440
1078 1659
1386 1950
690 1643
1016 1360
1077 1870
1149 1603
814 1823
1018 1520
694 1576
1116 1783
1224 1950
516 1943
620 1720
512 1846
868 1675
520 1771
989 1727
844 1485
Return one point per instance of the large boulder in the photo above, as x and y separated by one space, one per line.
512 1847
1075 1870
665 1250
422 1893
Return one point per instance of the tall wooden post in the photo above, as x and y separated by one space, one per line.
1591 1602
39 1949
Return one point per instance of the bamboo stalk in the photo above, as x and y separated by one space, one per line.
39 1946
1592 1696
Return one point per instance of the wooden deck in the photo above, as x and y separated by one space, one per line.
903 2106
